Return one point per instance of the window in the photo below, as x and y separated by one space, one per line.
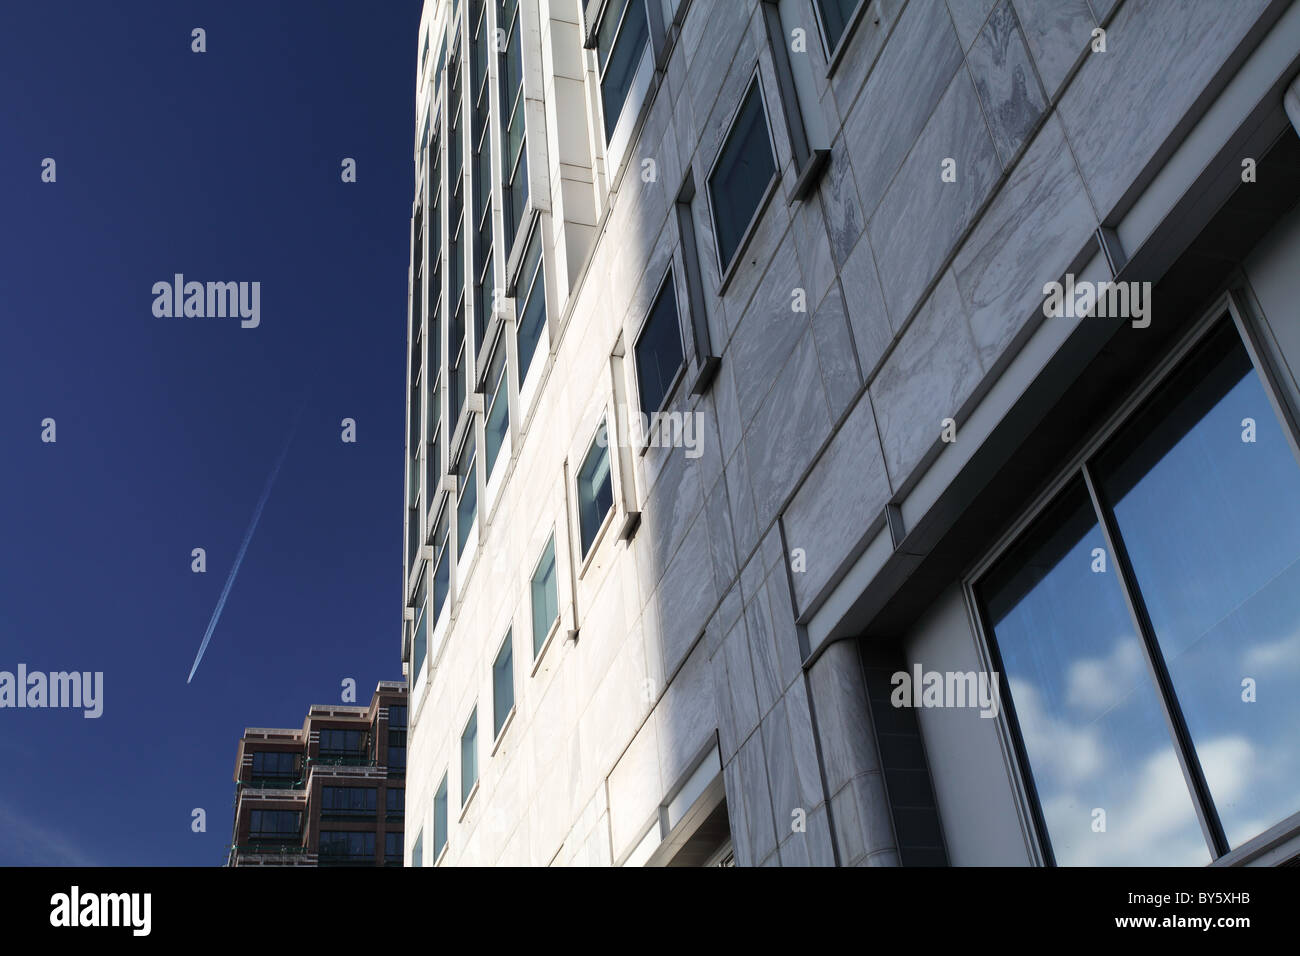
1198 532
280 826
546 601
346 847
393 848
834 17
466 494
530 304
441 565
503 686
334 741
659 354
745 169
621 38
420 640
469 757
397 716
269 765
497 422
514 158
348 801
440 819
595 491
417 851
395 802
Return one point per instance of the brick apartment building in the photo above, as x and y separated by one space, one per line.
332 793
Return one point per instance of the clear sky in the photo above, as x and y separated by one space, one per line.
223 166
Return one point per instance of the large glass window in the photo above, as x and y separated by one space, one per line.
1200 493
348 801
393 848
345 846
659 353
740 179
335 742
503 686
621 39
595 490
545 597
440 819
272 765
497 421
530 304
395 803
469 756
281 826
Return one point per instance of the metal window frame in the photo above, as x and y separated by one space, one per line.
1231 306
538 648
601 70
728 269
665 284
598 531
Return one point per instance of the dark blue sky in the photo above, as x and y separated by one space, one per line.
223 166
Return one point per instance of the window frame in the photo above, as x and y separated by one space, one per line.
833 56
467 795
539 649
598 535
726 271
602 69
667 283
1230 306
501 725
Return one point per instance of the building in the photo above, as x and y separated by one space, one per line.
331 793
769 357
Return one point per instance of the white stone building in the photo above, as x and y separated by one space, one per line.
819 237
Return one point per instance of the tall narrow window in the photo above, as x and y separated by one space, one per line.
421 633
659 354
595 490
440 819
417 851
469 756
503 686
545 596
621 39
497 420
742 175
514 159
466 494
530 304
441 564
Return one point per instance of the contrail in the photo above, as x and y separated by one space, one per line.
239 558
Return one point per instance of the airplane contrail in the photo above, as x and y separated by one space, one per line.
239 558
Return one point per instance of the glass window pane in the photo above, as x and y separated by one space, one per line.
595 491
530 304
497 423
546 604
1212 527
621 61
417 851
440 819
469 757
659 351
835 16
467 488
1087 709
503 686
745 168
